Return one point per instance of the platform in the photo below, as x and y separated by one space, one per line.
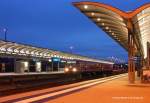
30 73
115 91
104 90
11 81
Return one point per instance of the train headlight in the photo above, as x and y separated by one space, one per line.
74 69
66 69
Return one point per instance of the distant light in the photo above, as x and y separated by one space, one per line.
16 50
113 33
9 50
52 55
24 52
85 6
49 60
66 69
98 19
74 70
27 52
4 29
92 14
71 47
41 54
109 30
116 37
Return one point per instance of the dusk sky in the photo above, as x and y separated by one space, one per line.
57 24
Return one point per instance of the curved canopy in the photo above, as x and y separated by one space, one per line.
141 22
115 22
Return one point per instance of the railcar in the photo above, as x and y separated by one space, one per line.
88 67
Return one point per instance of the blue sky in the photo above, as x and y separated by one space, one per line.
57 24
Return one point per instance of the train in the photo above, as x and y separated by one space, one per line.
95 68
21 73
80 67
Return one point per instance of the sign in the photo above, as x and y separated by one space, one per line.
70 62
55 59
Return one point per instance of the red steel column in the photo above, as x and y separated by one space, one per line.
131 54
148 55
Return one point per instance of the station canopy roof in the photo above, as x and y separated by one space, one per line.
114 22
22 50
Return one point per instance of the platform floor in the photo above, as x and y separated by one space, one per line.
115 91
30 73
104 90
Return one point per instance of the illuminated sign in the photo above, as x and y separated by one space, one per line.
71 62
55 59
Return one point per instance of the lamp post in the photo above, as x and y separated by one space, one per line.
71 47
5 33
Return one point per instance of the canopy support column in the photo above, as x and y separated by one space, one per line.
131 65
131 53
148 55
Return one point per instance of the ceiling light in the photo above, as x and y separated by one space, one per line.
103 24
92 14
98 19
107 27
85 6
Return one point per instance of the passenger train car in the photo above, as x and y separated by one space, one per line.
88 67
